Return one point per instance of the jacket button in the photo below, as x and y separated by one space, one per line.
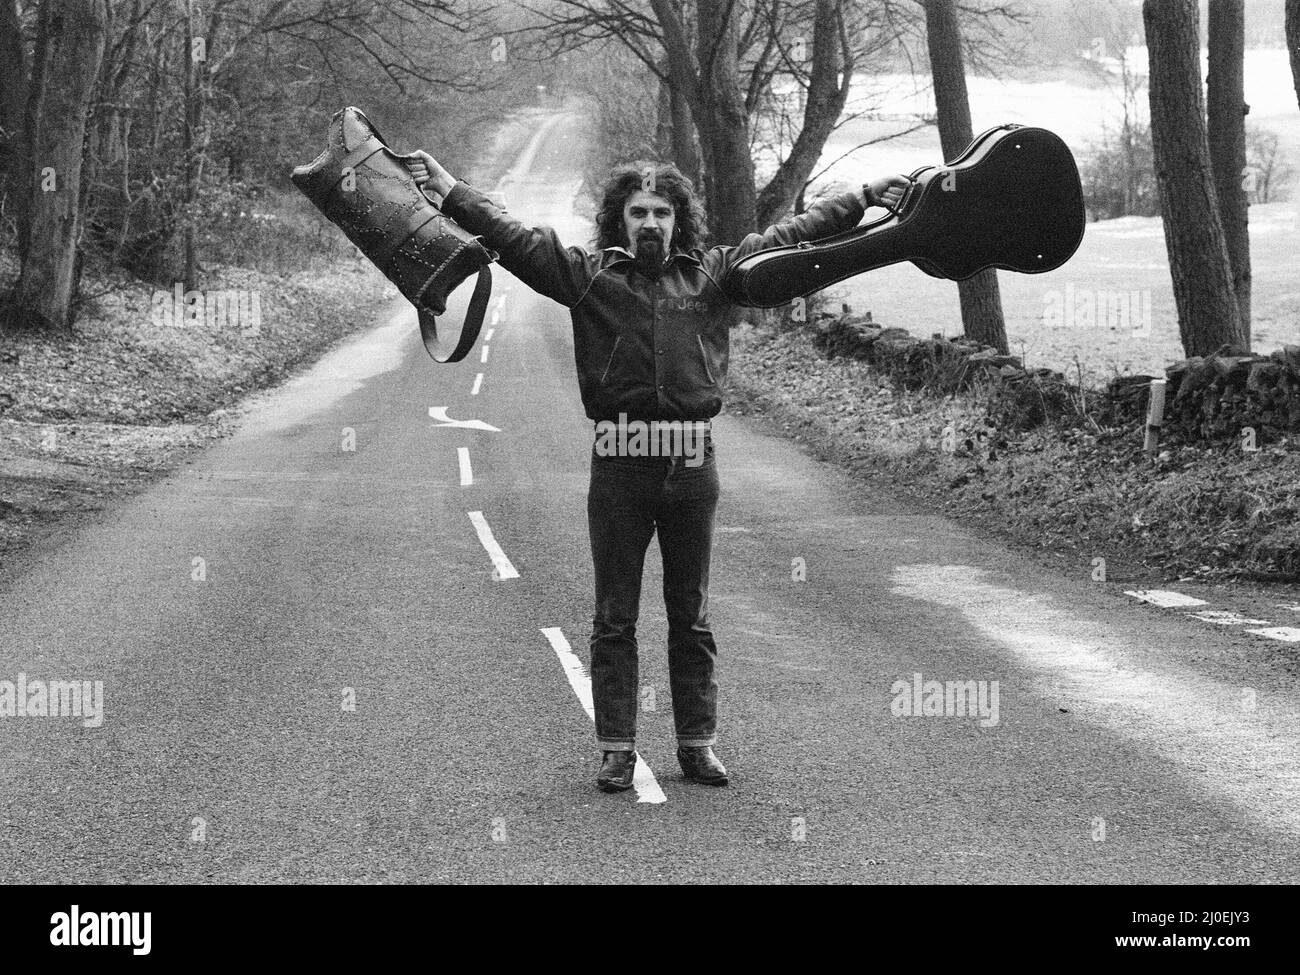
661 351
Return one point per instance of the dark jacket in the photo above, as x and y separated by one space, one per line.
654 350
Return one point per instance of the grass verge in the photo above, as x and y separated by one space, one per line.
1073 491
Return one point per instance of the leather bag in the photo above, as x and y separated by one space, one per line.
365 189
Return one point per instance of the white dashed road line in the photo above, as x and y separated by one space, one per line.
1287 634
466 472
643 780
1165 598
478 383
501 564
483 358
1226 617
487 336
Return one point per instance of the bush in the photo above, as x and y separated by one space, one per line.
1119 177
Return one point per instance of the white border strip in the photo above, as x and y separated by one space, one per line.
1287 634
499 561
643 779
466 472
1165 598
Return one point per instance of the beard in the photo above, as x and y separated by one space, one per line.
650 253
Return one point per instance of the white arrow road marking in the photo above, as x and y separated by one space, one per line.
1226 617
483 357
466 473
1165 598
504 570
1287 634
643 780
478 383
439 413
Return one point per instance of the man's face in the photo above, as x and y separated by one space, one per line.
647 218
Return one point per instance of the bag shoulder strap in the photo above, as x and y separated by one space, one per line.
443 350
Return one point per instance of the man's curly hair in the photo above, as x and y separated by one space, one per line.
669 182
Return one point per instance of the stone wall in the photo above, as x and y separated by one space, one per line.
1208 397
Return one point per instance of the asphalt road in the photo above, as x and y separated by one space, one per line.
1131 744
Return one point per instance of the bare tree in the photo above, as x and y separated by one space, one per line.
825 92
69 47
981 300
1226 128
720 58
1208 314
193 64
1293 42
710 77
13 97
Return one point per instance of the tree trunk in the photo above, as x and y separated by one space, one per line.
13 96
981 300
1227 137
1208 316
685 153
826 98
724 127
190 273
1293 42
664 115
675 131
69 47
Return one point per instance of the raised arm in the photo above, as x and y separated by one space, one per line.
535 255
825 218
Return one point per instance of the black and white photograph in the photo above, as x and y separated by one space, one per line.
650 442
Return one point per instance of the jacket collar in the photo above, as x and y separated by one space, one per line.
610 255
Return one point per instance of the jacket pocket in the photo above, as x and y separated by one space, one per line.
612 352
704 356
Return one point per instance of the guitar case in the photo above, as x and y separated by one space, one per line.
364 188
1011 200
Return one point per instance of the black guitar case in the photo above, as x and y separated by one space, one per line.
1011 200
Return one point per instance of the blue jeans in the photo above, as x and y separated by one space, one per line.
631 498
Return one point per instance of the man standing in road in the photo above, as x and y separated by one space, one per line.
651 340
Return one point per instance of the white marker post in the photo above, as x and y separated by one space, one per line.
1155 415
